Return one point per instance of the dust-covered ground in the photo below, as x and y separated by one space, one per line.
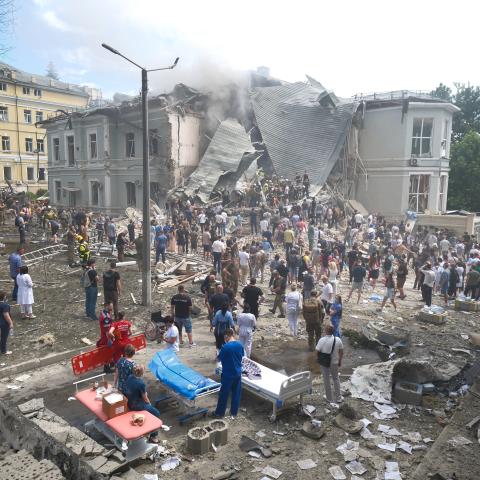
60 312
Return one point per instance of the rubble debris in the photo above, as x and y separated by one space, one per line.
408 392
272 472
459 441
46 340
313 429
337 473
86 341
355 467
170 464
306 464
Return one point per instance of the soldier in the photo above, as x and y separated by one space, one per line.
71 236
313 313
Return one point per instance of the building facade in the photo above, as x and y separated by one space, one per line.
95 159
404 144
26 100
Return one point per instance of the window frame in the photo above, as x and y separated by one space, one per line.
37 92
6 142
154 144
42 174
4 170
57 187
418 194
37 115
131 199
3 113
56 149
32 170
26 90
27 116
90 143
130 145
3 86
421 138
40 141
94 185
29 144
442 192
70 159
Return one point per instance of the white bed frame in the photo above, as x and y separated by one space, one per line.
284 389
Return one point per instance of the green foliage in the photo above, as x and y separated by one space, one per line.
467 98
41 191
464 179
443 92
30 196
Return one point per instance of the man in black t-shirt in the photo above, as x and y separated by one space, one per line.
181 310
216 301
352 258
358 273
112 286
91 290
252 296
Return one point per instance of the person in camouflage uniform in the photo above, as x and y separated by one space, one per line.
313 313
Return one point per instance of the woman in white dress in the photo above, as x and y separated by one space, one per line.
332 275
25 293
294 306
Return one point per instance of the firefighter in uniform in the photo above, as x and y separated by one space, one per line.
313 313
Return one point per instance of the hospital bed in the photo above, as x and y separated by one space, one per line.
129 439
276 387
182 383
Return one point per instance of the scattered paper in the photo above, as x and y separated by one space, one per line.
165 427
309 410
272 472
23 378
86 341
261 434
391 471
389 431
350 455
337 473
414 437
366 421
13 387
348 445
366 434
170 463
406 447
393 476
385 409
255 453
355 467
278 433
427 440
306 464
71 399
150 476
459 441
2 364
387 446
391 467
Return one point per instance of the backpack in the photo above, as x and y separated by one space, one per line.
109 281
387 265
221 327
85 280
17 221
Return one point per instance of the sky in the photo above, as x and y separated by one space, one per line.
350 46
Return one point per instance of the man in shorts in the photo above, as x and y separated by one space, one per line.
359 273
181 308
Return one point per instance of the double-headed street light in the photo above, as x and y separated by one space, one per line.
146 273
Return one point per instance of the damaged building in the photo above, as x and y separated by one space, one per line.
95 156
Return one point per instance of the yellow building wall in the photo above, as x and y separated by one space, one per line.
17 160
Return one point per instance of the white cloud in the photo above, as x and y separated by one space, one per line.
53 21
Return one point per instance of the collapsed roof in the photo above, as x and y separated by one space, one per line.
228 156
303 127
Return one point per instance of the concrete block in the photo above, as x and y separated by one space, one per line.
434 318
32 406
467 305
198 441
407 392
219 433
98 462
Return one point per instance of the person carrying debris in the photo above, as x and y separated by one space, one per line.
313 313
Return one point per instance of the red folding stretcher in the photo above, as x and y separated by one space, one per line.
99 356
129 439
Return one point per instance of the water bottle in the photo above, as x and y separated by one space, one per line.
11 332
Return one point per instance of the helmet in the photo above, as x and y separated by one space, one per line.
79 238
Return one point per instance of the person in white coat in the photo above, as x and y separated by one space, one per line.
246 326
25 293
294 306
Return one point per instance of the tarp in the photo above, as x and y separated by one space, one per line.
183 380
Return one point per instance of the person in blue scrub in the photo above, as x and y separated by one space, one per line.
336 315
230 355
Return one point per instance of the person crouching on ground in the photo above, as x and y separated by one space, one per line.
230 356
246 326
172 336
329 344
138 398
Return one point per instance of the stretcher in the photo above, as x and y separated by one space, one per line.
99 356
131 440
182 383
276 387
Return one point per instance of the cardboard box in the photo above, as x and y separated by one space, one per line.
114 404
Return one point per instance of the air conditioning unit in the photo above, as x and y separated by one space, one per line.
413 162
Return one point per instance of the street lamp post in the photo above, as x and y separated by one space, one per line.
146 267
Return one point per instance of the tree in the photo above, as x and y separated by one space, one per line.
443 92
6 23
52 71
465 173
467 98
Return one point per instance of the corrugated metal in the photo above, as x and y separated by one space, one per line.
299 133
224 154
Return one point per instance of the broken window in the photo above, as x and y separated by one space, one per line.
71 150
56 149
418 193
38 117
422 137
442 196
26 90
7 173
131 194
93 145
95 187
37 92
444 149
30 174
41 174
153 137
130 144
58 190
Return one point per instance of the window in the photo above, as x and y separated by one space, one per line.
93 145
56 149
40 146
444 149
422 137
5 143
30 174
7 173
418 193
95 192
3 86
71 150
58 190
153 142
29 145
37 92
38 117
27 116
131 194
26 90
4 114
41 175
442 196
130 140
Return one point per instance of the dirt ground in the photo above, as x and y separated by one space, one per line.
60 312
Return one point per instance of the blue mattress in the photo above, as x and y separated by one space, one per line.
185 381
